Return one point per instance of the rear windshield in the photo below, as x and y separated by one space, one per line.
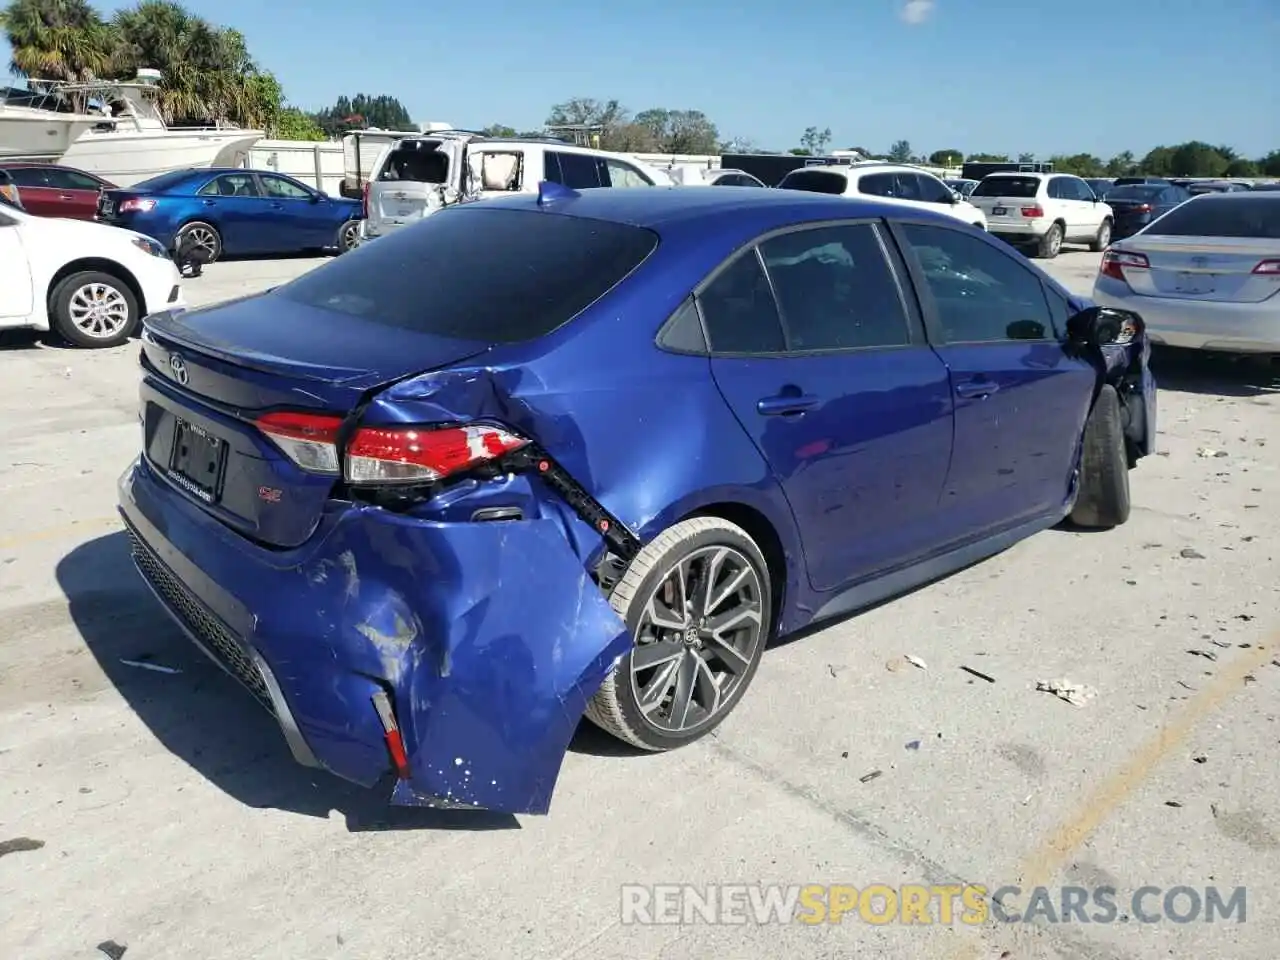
471 273
815 181
1134 192
1123 181
421 164
1222 215
1008 187
163 182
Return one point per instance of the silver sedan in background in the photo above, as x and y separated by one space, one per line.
1204 276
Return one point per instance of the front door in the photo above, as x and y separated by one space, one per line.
832 380
1021 400
296 217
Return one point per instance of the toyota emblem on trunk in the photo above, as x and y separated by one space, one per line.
179 369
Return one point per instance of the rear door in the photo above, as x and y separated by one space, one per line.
1021 401
234 204
78 193
834 383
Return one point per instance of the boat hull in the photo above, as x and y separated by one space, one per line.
127 157
38 133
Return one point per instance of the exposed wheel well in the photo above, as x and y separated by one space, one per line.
766 537
85 264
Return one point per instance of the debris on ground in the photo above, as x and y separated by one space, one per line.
1200 759
978 674
154 667
1187 553
914 661
844 755
19 845
1207 654
1076 694
1209 452
894 665
831 670
1172 803
913 745
1219 643
112 949
868 777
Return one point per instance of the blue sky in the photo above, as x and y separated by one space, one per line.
1000 76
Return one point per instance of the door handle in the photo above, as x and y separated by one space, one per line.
209 203
785 405
277 206
65 196
976 389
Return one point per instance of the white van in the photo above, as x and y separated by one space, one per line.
415 176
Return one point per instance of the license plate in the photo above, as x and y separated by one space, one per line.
107 207
198 460
1193 283
406 211
999 211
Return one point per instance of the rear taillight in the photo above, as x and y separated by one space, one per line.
137 205
308 439
1033 212
364 199
390 455
1142 208
1115 262
1268 267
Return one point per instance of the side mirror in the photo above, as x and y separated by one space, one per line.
1100 326
955 198
317 197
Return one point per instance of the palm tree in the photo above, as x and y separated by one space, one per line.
58 40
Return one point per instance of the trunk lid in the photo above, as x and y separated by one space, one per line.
414 178
1213 269
1002 199
209 373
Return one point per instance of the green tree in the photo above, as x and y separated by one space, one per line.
363 112
295 124
1026 158
988 157
1121 165
1241 167
816 141
1270 164
58 40
1081 164
498 130
799 152
946 158
1158 162
1197 159
900 152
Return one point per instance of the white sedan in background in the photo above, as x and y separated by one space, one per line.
1205 276
89 282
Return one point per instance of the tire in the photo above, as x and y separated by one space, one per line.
1102 501
348 236
692 545
94 309
1050 244
1103 237
206 236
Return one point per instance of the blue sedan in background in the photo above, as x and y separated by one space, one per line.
585 454
233 212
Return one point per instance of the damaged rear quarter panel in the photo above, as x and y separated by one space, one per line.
491 637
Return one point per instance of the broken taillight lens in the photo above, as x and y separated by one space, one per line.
391 455
308 439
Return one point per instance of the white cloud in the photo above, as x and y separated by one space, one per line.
916 11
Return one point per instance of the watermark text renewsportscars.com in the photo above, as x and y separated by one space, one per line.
920 904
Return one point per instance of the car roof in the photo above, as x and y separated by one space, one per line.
660 207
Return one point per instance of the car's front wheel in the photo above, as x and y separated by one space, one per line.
93 309
1102 501
698 604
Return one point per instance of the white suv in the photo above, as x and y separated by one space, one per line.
1045 210
905 185
416 176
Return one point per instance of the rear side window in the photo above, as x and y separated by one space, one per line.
577 171
815 181
1134 192
30 177
739 312
1023 187
836 289
441 276
1222 215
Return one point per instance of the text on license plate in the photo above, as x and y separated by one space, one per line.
1194 283
198 460
1000 211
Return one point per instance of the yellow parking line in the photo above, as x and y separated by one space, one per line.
56 533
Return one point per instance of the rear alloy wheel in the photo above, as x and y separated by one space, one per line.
1102 501
94 309
1103 238
200 237
349 236
1051 243
698 604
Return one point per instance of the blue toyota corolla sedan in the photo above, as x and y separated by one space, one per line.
583 454
233 212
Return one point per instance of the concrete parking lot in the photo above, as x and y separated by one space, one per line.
161 812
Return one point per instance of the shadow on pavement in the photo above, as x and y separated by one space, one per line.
1189 371
203 716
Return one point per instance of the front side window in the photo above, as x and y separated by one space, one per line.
879 185
624 175
932 190
282 189
836 289
981 293
73 180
